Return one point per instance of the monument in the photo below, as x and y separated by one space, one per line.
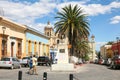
62 58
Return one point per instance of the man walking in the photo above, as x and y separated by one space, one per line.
34 59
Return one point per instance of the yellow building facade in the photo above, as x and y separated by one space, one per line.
12 38
19 41
36 43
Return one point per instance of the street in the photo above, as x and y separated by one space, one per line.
84 72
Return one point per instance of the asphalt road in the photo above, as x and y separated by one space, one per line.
84 72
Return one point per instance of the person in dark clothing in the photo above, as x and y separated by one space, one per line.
31 66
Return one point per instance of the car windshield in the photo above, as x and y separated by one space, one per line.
5 59
41 58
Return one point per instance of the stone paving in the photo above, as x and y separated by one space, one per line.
56 75
8 74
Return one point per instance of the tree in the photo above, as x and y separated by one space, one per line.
110 43
83 47
72 22
98 54
86 57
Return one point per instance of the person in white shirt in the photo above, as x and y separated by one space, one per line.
34 59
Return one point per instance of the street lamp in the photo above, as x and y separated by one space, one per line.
3 41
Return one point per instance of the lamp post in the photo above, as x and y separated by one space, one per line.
3 41
117 38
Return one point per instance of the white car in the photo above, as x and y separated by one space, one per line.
25 61
10 62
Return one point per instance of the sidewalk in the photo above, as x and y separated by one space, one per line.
77 68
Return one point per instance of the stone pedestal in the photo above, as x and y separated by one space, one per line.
62 67
62 60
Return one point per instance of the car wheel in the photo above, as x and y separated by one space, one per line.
111 65
49 64
25 65
12 67
114 67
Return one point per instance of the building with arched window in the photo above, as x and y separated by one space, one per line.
18 40
12 38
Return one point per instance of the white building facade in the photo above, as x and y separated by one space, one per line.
92 44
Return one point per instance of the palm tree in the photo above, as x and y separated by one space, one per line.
73 23
83 47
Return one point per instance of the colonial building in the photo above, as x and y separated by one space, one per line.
36 43
104 50
18 40
12 38
92 44
116 48
49 31
56 40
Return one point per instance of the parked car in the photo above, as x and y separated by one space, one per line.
105 61
10 62
115 62
96 61
25 61
108 62
41 60
101 61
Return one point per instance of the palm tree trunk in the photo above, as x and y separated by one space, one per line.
71 41
72 49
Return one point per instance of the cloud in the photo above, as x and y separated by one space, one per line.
27 13
93 9
80 3
40 26
99 44
115 20
96 9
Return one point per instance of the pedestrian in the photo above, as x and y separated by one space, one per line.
34 61
31 66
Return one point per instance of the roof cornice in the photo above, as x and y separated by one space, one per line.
7 21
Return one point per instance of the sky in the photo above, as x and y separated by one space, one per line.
103 15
